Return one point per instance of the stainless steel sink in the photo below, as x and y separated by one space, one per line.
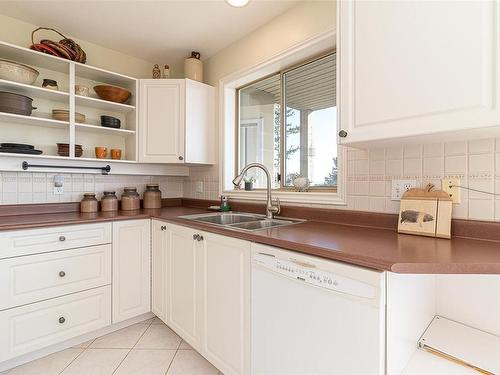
240 221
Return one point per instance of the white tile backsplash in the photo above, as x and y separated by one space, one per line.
27 187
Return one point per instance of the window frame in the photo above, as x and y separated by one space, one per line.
281 73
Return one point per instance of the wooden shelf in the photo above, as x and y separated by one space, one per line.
109 160
33 91
103 104
33 58
32 120
102 75
103 129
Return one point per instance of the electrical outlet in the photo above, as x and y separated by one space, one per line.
450 186
399 187
58 184
199 186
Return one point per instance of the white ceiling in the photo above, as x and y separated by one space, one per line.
156 31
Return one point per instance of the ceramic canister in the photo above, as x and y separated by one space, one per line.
130 199
89 203
152 196
109 201
193 67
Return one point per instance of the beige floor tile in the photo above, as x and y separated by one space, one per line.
189 362
156 320
146 362
96 362
52 364
84 345
185 345
147 321
124 338
158 337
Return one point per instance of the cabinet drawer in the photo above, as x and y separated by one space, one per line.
32 327
32 241
33 278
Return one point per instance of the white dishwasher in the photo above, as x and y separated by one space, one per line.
311 316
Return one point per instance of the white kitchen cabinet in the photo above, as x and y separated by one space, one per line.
33 278
208 295
131 269
420 69
34 326
226 303
159 269
184 283
176 121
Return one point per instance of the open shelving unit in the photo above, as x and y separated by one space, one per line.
42 131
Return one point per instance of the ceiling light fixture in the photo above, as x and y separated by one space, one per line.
237 3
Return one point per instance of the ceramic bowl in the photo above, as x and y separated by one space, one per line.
12 71
112 93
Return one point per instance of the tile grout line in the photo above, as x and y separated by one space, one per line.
74 359
117 367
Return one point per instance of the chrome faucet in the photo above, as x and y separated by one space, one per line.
271 209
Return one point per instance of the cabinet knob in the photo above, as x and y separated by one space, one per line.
62 238
62 319
200 238
163 227
195 236
181 158
62 274
342 134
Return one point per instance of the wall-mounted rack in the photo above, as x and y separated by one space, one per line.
104 170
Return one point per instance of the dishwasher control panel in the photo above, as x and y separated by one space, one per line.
308 273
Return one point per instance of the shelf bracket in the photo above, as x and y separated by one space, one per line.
104 170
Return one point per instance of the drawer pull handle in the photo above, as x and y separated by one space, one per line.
62 238
62 319
62 274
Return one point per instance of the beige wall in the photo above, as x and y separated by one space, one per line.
304 21
19 32
307 19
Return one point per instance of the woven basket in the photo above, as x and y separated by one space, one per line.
66 48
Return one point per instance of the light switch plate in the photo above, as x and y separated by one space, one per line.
399 187
450 186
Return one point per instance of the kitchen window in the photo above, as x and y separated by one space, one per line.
288 122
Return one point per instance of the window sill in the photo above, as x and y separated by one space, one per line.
311 197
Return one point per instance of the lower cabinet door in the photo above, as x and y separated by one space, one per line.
131 269
158 269
227 303
184 288
31 327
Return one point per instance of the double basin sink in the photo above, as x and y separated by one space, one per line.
240 221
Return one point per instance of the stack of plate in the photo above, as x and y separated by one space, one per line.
63 149
63 115
110 122
19 148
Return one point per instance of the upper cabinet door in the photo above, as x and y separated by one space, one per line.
161 121
200 123
417 68
176 122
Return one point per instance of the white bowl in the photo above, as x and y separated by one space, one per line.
12 71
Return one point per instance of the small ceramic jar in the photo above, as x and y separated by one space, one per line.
50 84
152 196
89 203
109 202
130 199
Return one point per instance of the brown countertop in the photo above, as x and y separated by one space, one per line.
381 249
